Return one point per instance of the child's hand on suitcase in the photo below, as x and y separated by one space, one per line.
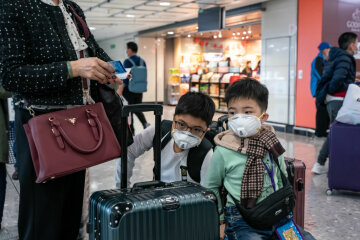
222 231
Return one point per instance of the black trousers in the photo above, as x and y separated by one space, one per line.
322 120
49 210
135 98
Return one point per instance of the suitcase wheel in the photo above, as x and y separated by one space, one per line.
329 192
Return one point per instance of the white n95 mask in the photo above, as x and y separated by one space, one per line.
245 125
185 139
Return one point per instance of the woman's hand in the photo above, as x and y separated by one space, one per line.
222 231
120 90
94 69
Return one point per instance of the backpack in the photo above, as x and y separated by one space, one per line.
216 127
196 155
138 83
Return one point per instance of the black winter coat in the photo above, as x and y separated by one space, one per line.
339 72
34 49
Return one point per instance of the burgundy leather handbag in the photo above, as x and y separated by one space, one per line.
72 140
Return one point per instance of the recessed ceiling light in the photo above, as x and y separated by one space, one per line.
249 31
215 36
170 33
164 3
242 38
189 35
238 33
92 28
233 34
130 16
197 27
244 32
247 37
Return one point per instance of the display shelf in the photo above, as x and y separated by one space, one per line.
173 86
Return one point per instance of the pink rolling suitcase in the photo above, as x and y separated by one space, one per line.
344 157
296 174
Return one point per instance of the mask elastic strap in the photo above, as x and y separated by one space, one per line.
260 116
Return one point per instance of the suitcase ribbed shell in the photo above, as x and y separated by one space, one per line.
177 211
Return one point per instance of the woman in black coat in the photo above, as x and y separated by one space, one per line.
40 60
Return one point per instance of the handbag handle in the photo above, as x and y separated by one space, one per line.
96 126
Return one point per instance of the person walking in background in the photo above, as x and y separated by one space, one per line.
317 67
4 146
339 72
258 68
134 87
247 70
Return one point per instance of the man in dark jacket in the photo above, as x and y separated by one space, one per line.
339 72
317 69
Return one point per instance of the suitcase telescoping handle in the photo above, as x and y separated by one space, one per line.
158 111
152 184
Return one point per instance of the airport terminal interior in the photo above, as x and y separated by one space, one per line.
205 46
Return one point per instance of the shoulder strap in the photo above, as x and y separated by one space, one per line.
132 62
196 158
166 126
284 179
141 62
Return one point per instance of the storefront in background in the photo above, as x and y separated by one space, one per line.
178 56
209 62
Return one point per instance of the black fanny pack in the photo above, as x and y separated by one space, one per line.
271 210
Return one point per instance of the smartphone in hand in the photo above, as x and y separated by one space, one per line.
119 68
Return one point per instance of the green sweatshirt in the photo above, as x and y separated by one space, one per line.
228 166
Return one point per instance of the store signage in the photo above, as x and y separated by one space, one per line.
211 19
292 29
213 46
354 23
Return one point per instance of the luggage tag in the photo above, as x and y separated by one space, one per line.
183 173
289 231
120 70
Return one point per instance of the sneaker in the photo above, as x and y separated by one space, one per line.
319 169
15 175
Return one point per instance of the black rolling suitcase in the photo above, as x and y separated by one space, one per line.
152 210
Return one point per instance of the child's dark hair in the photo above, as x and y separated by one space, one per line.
248 88
133 46
197 105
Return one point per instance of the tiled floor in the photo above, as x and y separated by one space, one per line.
326 217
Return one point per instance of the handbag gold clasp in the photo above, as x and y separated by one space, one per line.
31 111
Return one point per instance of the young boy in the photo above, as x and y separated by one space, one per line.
241 160
185 154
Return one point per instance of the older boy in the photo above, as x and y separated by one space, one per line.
185 154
